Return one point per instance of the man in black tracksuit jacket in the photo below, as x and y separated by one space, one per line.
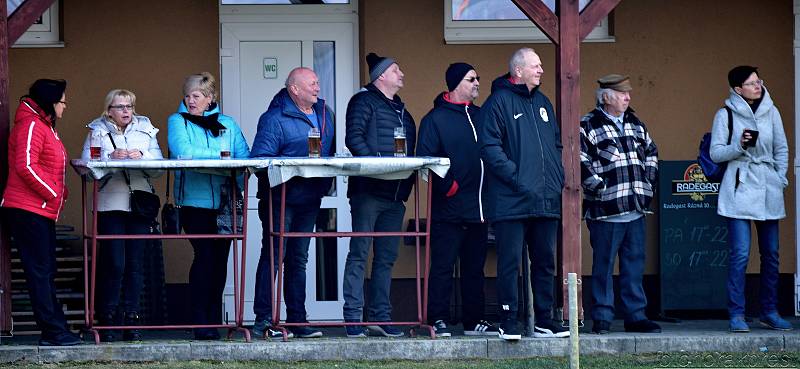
376 205
521 149
458 229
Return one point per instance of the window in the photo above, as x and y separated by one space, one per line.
284 2
44 32
501 21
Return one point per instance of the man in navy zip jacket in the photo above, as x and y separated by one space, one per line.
375 205
521 148
283 131
458 229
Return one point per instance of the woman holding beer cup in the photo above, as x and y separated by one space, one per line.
199 131
752 189
120 134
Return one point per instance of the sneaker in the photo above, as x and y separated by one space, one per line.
774 321
642 326
509 330
355 331
549 329
262 327
601 327
65 338
305 332
385 330
738 325
440 327
483 328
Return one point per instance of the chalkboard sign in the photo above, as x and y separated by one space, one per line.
693 239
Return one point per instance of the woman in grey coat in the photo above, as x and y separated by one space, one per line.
121 261
751 190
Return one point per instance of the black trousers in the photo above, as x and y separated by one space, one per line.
35 238
120 262
540 235
209 267
466 242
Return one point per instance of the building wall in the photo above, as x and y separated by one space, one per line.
147 46
677 54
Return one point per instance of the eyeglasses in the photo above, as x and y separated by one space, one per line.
473 79
122 107
758 82
63 102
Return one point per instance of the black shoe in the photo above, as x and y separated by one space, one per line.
65 338
131 318
482 328
601 327
440 327
509 330
642 326
206 334
549 329
304 332
107 320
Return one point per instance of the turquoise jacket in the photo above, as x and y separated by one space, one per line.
192 188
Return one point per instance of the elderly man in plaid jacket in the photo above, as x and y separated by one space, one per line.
619 167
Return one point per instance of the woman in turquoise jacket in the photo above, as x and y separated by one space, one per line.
195 132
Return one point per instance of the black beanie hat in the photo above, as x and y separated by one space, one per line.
377 65
739 74
455 73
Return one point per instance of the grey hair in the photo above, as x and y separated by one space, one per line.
518 59
203 82
600 92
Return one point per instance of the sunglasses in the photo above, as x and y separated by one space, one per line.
473 79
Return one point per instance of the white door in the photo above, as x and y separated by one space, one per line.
256 59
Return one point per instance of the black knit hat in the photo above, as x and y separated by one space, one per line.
455 73
377 65
739 74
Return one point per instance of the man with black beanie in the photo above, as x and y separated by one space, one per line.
373 115
458 229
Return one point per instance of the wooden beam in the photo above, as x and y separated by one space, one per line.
22 19
594 13
567 105
5 126
541 16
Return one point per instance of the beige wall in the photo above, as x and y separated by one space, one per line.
676 52
147 46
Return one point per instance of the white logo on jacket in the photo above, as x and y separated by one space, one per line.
516 116
543 113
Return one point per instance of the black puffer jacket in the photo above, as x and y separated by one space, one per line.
521 147
370 123
450 130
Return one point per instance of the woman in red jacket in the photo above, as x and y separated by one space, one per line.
34 198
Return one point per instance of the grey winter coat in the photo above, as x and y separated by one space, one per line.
140 134
753 185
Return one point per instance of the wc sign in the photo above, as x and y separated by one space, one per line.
270 68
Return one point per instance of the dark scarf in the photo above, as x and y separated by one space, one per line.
207 122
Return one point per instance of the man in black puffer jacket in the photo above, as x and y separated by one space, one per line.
458 230
521 148
377 205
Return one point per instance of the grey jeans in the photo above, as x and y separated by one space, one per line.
370 214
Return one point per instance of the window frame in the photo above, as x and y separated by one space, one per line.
45 34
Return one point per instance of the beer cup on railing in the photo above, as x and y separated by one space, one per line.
95 145
224 144
313 142
399 142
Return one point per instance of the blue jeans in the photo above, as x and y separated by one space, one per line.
297 218
371 214
739 242
609 240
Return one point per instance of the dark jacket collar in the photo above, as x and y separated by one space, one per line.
504 83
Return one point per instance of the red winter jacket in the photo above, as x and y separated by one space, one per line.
36 164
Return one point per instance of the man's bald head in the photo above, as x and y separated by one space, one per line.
303 87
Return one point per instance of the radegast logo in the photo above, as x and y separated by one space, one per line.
695 184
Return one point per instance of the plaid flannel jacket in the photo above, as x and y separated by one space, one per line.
618 169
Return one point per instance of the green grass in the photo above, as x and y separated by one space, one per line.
671 360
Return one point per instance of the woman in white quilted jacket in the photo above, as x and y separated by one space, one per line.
122 135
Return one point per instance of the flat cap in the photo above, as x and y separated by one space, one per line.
615 82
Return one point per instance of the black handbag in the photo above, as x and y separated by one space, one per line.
143 203
170 215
